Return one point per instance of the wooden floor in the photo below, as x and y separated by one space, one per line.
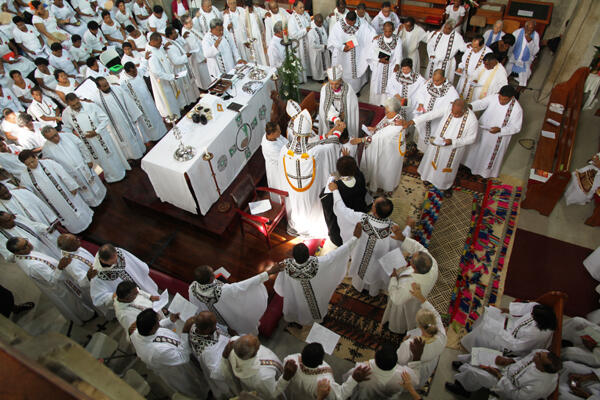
173 246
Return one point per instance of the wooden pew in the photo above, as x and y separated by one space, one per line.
553 155
431 12
372 7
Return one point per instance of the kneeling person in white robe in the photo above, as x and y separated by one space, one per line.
307 282
580 333
238 305
338 101
584 183
70 152
52 183
167 354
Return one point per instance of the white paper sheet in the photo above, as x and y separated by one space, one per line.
222 271
548 134
319 334
438 141
185 309
552 122
366 130
483 356
259 207
162 302
392 260
181 74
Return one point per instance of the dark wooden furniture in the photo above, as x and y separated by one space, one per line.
553 156
431 12
526 10
372 7
491 15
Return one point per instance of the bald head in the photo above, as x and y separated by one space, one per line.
107 254
68 242
206 323
459 106
204 274
438 77
246 347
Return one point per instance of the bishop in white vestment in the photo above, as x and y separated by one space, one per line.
220 50
70 152
488 79
501 120
90 124
320 58
207 13
238 305
162 77
338 101
298 28
53 282
198 64
23 202
308 282
41 236
277 15
471 60
442 46
384 59
412 35
404 84
457 129
58 189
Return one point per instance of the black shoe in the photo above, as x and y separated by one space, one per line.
20 308
566 343
456 365
457 389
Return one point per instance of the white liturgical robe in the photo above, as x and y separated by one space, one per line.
402 307
27 205
522 54
303 384
307 288
276 52
484 157
570 367
270 22
336 17
149 123
126 313
70 152
382 73
36 233
441 49
53 184
469 63
255 29
354 62
584 183
516 332
56 284
410 44
220 59
440 163
162 78
197 61
379 20
271 150
202 21
573 329
382 384
101 147
406 86
486 82
238 29
320 59
337 103
374 243
297 28
208 350
238 305
181 63
81 262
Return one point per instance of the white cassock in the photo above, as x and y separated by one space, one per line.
56 284
303 384
238 305
220 59
584 183
354 62
238 30
27 205
410 45
45 108
572 330
276 52
150 123
433 347
162 78
261 373
197 60
383 155
78 270
127 268
270 22
521 55
374 243
202 21
520 380
440 163
71 154
333 103
126 313
515 333
307 288
319 56
123 114
168 356
53 184
271 150
208 350
431 97
469 63
297 25
10 162
9 100
490 37
570 367
407 87
402 307
488 82
484 157
382 73
379 20
255 29
101 147
441 49
381 384
336 17
36 233
181 63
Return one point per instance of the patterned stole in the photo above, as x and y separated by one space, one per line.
386 67
272 363
85 139
434 94
373 234
303 40
330 96
405 82
351 30
315 371
214 288
220 62
109 113
72 256
448 51
303 273
56 186
186 65
20 226
199 342
67 282
138 103
523 324
166 339
514 376
442 133
320 35
499 138
466 72
118 271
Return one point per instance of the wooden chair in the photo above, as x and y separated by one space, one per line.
265 223
510 26
477 22
310 103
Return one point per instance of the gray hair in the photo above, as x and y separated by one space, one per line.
23 119
215 22
422 262
278 27
206 2
47 129
499 22
451 23
184 19
393 104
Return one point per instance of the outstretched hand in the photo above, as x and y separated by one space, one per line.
358 230
361 373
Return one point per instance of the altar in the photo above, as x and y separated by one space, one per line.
223 147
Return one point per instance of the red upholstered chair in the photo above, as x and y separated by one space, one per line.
165 281
265 223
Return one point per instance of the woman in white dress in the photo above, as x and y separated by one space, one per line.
430 329
66 17
123 15
44 76
64 84
46 24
